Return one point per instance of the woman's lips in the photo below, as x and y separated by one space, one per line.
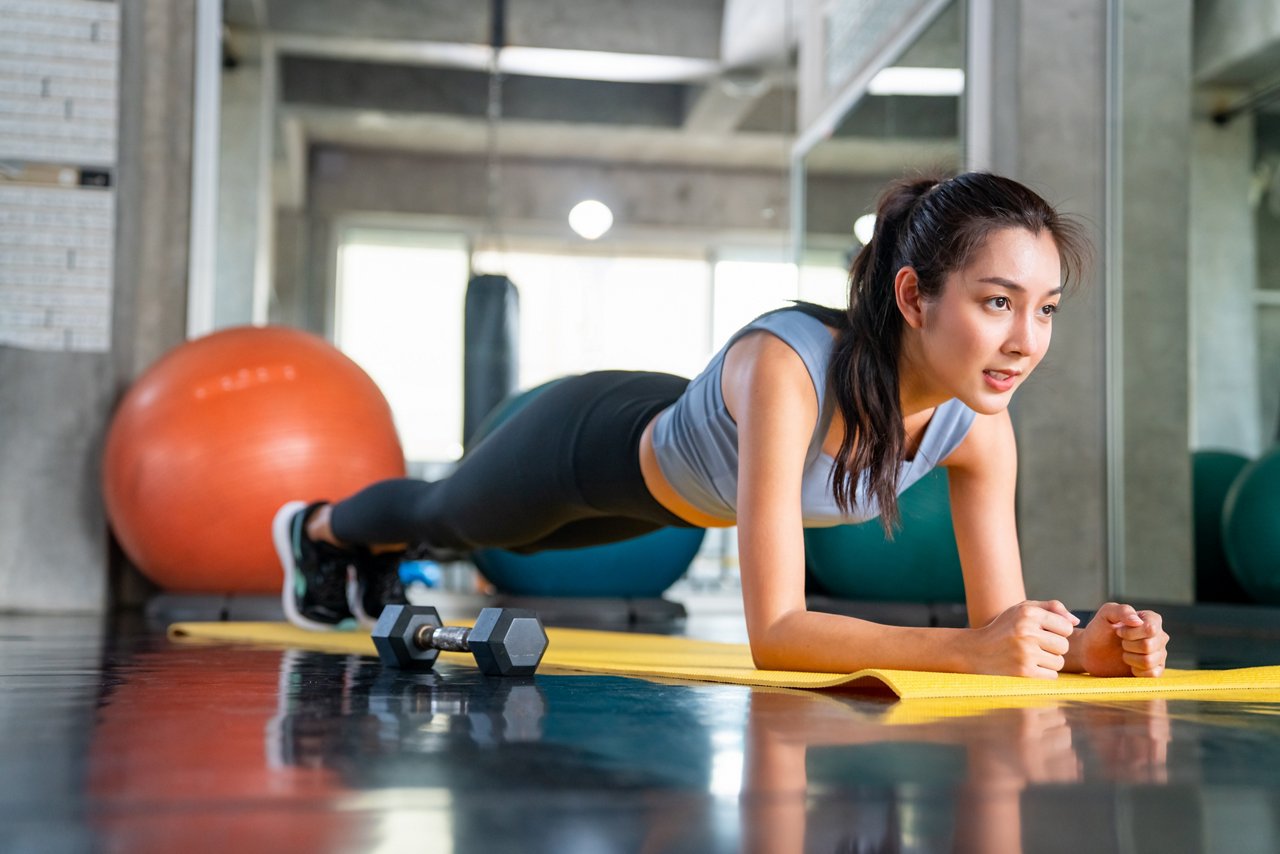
999 380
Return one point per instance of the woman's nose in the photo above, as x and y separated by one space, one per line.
1025 337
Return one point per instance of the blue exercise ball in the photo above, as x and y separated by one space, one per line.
642 567
920 564
1251 528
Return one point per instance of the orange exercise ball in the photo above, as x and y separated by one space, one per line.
222 431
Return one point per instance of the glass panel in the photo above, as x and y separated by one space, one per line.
854 30
1269 371
824 278
399 316
1267 224
746 289
582 313
908 121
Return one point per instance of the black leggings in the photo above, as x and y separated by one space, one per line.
563 472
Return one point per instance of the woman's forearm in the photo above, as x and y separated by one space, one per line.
830 643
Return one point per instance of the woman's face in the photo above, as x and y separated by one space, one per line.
990 327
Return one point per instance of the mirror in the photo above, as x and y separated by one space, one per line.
368 155
909 118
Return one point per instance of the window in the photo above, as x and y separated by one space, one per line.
401 297
745 289
583 313
399 316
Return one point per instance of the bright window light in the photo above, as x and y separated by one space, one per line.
399 316
744 290
590 219
583 312
917 81
825 284
400 308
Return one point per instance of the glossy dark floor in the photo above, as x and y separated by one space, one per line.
121 741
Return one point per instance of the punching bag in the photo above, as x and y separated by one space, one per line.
490 369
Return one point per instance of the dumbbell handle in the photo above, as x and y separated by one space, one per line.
448 638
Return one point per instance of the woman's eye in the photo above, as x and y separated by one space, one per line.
1049 310
999 302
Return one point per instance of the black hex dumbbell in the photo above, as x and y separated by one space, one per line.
505 641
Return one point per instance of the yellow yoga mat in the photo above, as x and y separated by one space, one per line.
630 654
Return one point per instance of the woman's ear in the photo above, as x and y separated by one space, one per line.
906 289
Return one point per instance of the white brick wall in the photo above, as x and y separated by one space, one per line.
59 62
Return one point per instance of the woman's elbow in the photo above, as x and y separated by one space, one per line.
767 650
765 657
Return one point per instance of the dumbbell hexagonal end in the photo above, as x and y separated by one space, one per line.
507 641
393 636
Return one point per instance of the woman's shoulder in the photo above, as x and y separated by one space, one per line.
766 368
807 329
800 319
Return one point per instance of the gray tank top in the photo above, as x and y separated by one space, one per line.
696 441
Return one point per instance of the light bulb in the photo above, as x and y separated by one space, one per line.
590 218
864 227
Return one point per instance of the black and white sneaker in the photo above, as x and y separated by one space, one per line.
373 584
314 593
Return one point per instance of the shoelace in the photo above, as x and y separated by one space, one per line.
328 587
381 577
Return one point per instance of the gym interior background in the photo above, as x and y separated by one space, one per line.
172 169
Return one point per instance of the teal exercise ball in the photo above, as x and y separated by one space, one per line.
1212 473
921 563
1251 528
642 567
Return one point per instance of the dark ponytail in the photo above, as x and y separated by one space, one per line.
933 225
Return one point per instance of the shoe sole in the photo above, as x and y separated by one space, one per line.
283 539
355 602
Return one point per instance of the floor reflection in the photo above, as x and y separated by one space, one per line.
140 745
834 776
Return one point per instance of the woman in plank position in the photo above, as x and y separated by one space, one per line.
807 416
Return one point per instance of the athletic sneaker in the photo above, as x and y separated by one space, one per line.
314 594
374 583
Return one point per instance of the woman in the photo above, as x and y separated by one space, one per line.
808 416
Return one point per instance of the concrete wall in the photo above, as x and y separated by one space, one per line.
537 195
1237 41
55 407
1151 193
1224 366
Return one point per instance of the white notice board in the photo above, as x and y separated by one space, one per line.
59 70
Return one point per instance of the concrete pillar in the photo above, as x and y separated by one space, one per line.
1154 549
154 199
1045 67
245 217
1104 482
153 207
